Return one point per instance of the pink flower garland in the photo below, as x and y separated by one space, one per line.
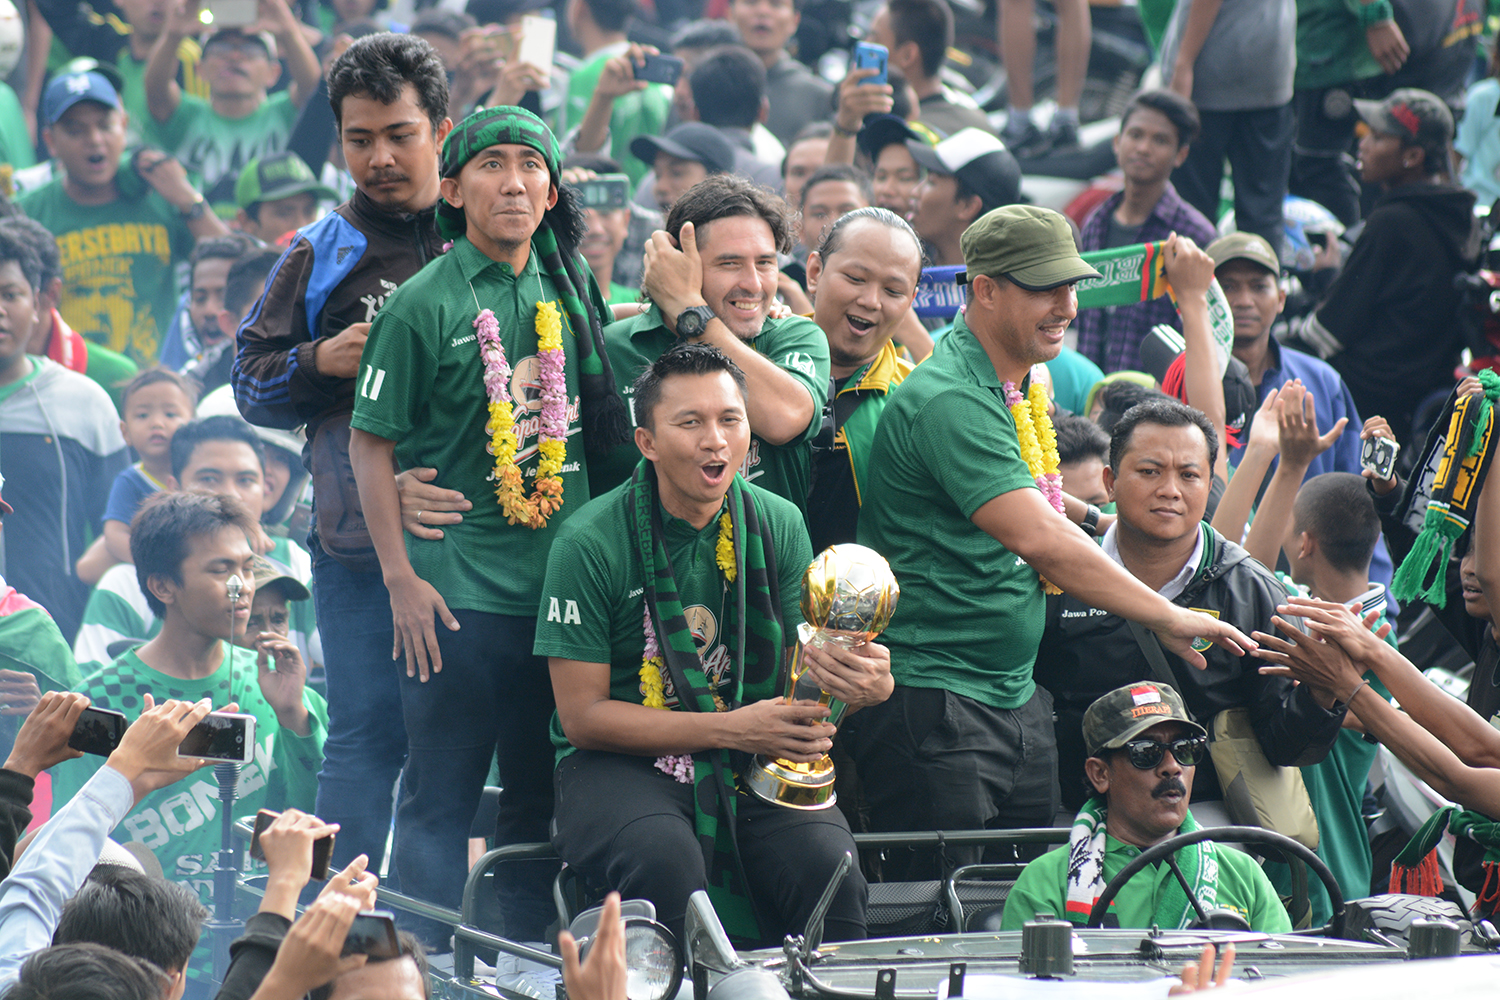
679 766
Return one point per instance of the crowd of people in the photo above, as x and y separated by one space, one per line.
470 421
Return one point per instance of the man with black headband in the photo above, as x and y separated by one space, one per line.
668 606
488 365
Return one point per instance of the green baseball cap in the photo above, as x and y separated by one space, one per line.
1120 716
1033 247
277 176
1244 246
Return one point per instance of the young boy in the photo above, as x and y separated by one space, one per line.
220 455
186 547
157 402
277 195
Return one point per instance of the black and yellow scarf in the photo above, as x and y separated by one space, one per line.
1444 490
756 640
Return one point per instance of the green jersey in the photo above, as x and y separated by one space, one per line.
217 148
179 823
1242 887
643 112
795 345
623 295
971 612
118 264
593 600
421 384
15 143
1332 49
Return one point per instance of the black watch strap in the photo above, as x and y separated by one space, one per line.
695 327
1090 522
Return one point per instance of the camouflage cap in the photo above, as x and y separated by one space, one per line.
1120 716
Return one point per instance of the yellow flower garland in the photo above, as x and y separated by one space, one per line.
510 489
724 548
1038 441
655 695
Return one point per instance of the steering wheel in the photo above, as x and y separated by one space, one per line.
1237 834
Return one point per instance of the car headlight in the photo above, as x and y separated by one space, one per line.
653 961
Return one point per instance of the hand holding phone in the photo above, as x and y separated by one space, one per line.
538 41
868 55
45 737
659 69
291 843
312 952
373 934
228 736
98 731
1377 455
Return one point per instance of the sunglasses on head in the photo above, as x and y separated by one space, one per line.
1146 754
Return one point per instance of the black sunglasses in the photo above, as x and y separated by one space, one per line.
1146 754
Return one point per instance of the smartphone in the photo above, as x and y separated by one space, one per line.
606 192
322 847
1378 454
660 69
226 736
538 41
868 55
373 934
233 13
99 731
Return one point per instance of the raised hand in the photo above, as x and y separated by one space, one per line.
43 739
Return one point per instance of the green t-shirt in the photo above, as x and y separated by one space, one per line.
795 345
1331 46
141 127
217 148
112 370
643 112
421 384
1242 887
180 822
119 280
623 295
1336 789
593 599
971 612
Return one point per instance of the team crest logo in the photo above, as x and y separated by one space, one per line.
1203 645
526 383
701 623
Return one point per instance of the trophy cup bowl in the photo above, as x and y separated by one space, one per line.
848 597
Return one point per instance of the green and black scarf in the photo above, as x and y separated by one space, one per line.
756 640
1444 490
605 423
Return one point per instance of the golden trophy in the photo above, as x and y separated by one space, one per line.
848 597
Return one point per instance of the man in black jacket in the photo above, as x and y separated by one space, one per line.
1387 324
1161 454
298 353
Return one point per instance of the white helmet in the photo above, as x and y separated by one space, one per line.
12 37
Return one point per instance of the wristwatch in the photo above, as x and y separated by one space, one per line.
196 211
1090 522
692 321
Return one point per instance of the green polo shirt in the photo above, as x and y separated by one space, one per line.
971 611
421 384
593 600
1242 887
795 345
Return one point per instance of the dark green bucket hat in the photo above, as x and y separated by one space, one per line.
1031 246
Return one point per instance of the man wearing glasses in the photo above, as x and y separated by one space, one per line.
1143 752
1158 476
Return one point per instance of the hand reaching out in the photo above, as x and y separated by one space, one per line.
1200 975
19 693
602 975
1298 428
147 756
1378 426
312 952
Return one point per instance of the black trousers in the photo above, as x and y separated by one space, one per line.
1323 167
930 759
1258 145
626 825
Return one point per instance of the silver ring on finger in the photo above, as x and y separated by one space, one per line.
419 517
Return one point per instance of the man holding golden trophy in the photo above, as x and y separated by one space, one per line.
694 718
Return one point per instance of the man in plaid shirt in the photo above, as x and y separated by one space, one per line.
1155 132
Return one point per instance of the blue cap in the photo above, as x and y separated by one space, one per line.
67 90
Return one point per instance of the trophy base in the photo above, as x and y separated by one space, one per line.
795 786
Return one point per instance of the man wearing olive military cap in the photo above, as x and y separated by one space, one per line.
963 502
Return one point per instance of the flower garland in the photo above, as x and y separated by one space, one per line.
680 766
1038 443
510 490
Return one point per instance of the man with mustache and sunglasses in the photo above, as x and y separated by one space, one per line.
1143 751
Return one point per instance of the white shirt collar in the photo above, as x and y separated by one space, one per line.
1173 587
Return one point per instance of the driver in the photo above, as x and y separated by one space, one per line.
1143 748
